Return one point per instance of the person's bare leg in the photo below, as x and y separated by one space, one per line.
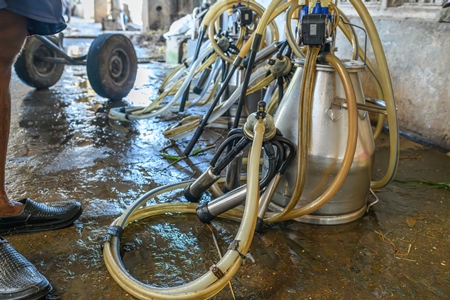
13 31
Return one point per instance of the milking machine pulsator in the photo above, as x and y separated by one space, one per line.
111 63
317 151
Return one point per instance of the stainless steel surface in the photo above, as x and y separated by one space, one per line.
228 201
378 102
342 103
199 186
333 220
267 196
327 147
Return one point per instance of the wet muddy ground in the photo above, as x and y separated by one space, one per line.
63 146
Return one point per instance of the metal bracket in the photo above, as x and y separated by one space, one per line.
116 231
216 271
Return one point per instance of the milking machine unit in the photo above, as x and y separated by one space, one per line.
317 151
325 123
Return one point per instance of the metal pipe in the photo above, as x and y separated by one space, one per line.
233 174
60 51
196 54
196 189
208 211
265 200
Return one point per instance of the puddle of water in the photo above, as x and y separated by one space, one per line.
76 158
172 250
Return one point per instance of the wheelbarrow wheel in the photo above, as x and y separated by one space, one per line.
112 66
32 68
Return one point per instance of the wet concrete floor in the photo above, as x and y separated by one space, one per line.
63 146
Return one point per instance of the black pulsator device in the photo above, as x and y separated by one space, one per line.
314 29
244 16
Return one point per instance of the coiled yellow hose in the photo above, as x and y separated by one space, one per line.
207 285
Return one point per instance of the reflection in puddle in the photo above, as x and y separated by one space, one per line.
76 158
170 250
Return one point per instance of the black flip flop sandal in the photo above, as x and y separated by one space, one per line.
19 279
39 217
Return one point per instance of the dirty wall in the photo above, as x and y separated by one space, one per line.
417 53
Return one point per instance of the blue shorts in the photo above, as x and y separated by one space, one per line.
44 16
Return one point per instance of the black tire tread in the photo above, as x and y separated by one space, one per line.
98 68
24 66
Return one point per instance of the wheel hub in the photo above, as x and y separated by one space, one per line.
118 66
40 65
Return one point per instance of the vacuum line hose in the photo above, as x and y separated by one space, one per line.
388 93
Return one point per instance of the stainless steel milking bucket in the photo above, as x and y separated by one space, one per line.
327 146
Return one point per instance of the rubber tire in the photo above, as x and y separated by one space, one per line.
112 66
32 70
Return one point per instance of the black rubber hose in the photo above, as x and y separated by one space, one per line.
221 164
248 72
202 81
225 68
229 140
205 119
280 82
234 131
291 155
289 51
281 50
268 149
196 53
280 152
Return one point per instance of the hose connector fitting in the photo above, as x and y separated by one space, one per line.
269 124
279 67
202 81
203 213
222 42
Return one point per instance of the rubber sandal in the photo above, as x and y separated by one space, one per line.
19 279
39 217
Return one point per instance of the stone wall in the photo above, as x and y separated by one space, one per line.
418 56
